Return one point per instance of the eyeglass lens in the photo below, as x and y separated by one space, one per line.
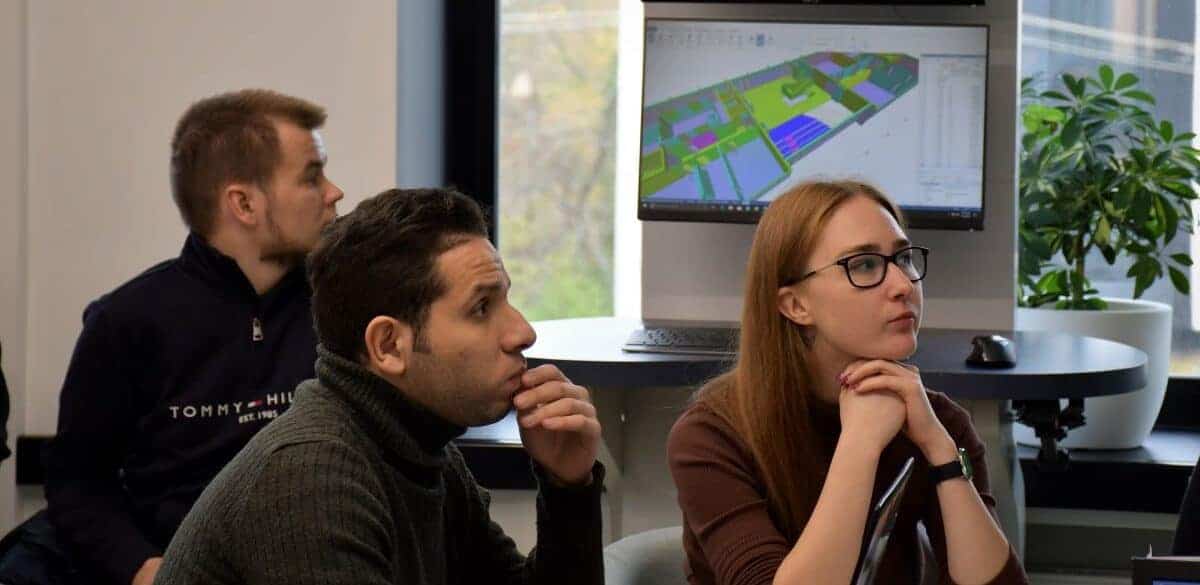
870 269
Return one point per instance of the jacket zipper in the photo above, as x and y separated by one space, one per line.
256 330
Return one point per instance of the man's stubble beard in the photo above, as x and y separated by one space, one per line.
280 250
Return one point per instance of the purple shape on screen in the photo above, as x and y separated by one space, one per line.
684 189
702 141
875 94
794 134
722 183
755 169
829 67
690 123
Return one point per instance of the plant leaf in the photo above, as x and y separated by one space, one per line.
1109 253
1166 130
1036 245
1069 81
1032 198
1051 282
1029 140
1183 190
1140 96
1142 265
1102 232
1071 132
1126 80
1170 218
1106 76
1140 157
1144 279
1182 259
1043 217
1136 248
1159 227
1180 280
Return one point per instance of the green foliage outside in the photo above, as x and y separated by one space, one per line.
558 69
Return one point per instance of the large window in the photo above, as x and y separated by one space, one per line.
556 147
1155 40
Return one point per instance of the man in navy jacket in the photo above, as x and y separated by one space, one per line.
176 369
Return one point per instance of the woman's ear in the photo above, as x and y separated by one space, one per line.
389 346
794 305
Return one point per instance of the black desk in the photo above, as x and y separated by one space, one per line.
1049 366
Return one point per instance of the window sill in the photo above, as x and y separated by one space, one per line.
1152 478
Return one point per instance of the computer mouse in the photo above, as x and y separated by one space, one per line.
992 351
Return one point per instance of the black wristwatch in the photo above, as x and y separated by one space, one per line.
960 467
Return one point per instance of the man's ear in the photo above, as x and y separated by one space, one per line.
794 305
241 200
389 345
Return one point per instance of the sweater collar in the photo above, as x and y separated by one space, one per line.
205 262
400 425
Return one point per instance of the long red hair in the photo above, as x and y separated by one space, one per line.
767 395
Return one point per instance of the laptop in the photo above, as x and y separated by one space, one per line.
713 338
881 522
1166 570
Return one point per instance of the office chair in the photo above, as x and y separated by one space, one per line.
654 557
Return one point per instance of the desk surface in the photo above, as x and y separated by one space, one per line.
1049 365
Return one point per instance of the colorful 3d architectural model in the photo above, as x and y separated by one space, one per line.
733 141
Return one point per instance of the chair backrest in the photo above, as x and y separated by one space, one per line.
654 557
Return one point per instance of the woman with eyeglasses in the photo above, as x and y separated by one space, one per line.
778 460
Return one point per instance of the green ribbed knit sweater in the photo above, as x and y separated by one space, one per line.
355 484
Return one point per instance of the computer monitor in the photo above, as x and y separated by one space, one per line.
736 112
1166 571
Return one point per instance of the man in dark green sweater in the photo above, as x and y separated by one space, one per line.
358 482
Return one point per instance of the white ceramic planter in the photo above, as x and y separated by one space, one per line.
1122 421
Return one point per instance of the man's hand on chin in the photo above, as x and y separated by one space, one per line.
558 425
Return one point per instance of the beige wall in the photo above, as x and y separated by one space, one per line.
105 84
12 227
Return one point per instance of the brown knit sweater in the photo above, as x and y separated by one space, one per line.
730 538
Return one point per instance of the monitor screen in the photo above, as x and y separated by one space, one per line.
736 112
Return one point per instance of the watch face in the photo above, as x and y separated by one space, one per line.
968 472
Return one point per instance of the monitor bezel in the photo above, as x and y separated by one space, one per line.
913 216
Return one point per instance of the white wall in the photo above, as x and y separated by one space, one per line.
694 271
105 84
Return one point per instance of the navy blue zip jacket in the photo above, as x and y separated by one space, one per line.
173 373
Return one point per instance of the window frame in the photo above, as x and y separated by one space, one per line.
471 103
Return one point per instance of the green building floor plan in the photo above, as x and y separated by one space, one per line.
735 140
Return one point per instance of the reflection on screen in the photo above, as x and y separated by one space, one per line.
734 113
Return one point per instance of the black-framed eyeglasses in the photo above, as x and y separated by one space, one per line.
869 269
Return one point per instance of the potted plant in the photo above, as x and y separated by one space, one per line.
1100 173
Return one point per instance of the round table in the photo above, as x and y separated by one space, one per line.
1049 366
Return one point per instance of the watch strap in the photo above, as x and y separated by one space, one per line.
960 467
